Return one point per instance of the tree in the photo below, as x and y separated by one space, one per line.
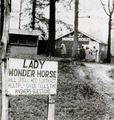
21 1
75 45
34 10
5 29
5 32
33 14
41 19
109 13
2 18
51 41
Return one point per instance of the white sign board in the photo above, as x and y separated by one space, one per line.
31 77
72 39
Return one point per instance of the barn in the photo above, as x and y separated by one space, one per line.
84 39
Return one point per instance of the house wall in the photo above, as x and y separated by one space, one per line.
102 50
42 44
26 43
69 45
96 44
57 50
21 50
101 53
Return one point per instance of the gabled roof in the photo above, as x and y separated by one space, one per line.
91 37
24 32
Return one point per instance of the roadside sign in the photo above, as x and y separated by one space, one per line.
31 77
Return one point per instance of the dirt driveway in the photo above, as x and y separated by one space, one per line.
104 84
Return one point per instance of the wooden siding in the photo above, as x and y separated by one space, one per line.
21 50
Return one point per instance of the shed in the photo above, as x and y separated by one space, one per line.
26 42
84 39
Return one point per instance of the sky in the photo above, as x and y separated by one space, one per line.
96 25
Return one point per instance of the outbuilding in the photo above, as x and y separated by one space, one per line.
28 42
25 42
84 39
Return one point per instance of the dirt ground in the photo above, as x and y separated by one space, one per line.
103 79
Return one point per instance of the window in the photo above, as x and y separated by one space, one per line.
13 39
32 41
23 40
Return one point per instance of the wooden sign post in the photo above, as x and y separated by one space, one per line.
4 115
51 108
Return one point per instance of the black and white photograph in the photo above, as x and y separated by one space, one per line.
57 60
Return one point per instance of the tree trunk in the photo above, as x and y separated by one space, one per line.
75 45
2 18
20 13
50 50
4 41
33 14
109 40
6 23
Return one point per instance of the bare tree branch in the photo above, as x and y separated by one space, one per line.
104 8
109 6
70 3
113 5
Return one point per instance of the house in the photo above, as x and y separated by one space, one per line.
84 39
26 42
